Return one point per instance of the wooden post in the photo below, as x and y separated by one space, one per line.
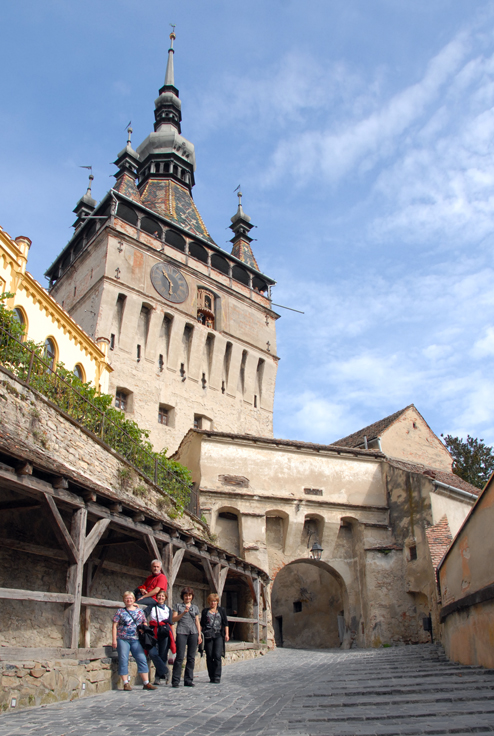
74 580
257 601
86 612
264 613
171 566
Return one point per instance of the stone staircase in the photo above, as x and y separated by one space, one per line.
404 690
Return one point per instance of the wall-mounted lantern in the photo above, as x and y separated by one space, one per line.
316 551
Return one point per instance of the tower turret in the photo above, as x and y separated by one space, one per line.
128 164
241 226
86 205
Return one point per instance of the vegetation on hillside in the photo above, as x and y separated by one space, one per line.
25 359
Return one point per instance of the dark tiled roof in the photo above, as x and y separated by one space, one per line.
127 186
440 539
450 479
371 431
243 252
169 199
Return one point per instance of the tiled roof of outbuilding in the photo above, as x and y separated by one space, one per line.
440 539
371 431
450 479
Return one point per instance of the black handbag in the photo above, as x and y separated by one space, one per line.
146 636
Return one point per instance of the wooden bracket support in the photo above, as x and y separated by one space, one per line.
60 529
24 469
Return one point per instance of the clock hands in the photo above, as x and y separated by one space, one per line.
170 284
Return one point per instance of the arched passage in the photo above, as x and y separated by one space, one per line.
308 602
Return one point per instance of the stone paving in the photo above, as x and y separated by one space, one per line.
405 690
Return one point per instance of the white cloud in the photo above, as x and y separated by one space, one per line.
485 345
335 152
411 342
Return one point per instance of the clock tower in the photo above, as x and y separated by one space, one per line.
189 327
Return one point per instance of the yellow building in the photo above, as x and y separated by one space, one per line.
44 319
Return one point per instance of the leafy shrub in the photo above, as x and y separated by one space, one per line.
94 411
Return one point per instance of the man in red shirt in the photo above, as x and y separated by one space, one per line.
152 585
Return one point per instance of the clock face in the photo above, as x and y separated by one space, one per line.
169 282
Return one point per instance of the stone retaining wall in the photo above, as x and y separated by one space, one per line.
36 682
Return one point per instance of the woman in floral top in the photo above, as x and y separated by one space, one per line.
125 640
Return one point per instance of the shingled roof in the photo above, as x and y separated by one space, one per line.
371 431
440 539
442 476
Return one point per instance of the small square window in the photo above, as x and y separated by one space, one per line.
412 551
163 415
197 422
121 401
297 606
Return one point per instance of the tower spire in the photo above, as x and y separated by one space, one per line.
170 75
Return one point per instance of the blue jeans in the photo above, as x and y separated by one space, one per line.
124 647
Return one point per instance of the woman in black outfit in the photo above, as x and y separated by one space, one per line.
214 625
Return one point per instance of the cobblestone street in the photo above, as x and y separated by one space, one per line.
405 690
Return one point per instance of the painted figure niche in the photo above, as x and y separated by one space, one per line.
205 308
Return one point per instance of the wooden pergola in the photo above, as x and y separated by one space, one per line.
98 518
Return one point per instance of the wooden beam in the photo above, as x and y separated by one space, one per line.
94 536
223 573
60 482
241 620
33 549
16 594
212 580
74 579
100 602
152 546
177 561
253 591
36 487
19 505
60 529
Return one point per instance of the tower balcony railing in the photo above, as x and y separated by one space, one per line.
23 362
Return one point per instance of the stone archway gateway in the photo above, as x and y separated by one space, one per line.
308 602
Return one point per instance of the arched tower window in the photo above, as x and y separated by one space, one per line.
205 308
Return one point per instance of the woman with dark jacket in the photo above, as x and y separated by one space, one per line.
159 617
214 625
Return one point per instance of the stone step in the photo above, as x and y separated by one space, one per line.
439 687
390 717
466 698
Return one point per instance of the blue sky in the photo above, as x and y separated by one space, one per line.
362 135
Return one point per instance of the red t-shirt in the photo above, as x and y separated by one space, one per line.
155 581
